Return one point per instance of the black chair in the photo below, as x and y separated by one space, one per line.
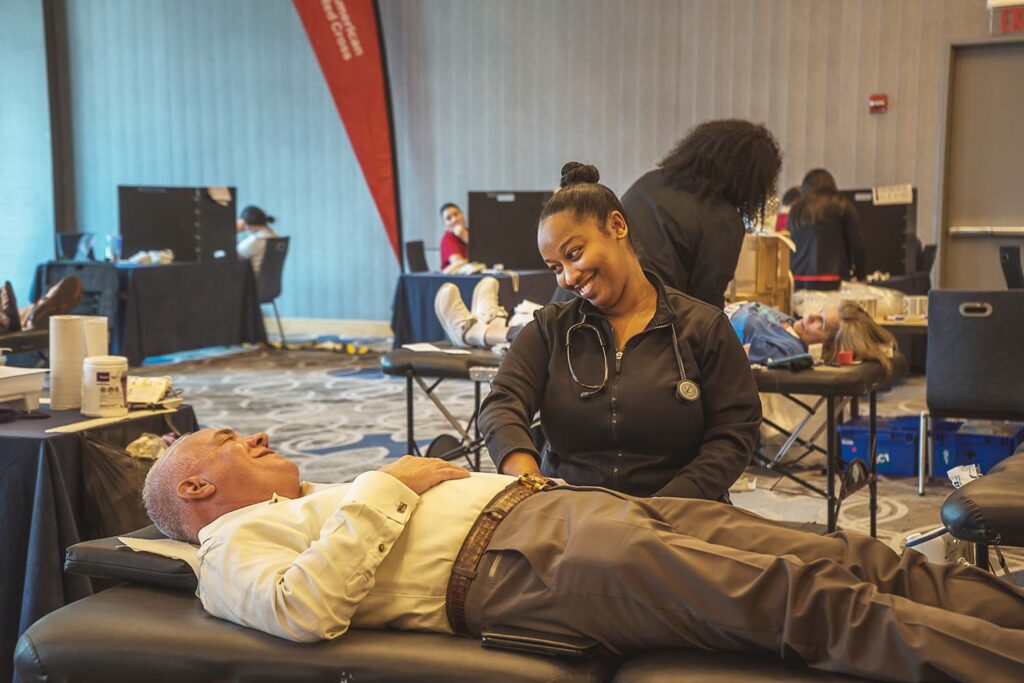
268 279
1009 258
73 246
974 368
416 257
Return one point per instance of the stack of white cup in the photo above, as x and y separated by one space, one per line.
73 338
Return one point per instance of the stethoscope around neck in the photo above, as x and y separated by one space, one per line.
686 389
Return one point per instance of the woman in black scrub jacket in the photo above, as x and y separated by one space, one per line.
640 388
687 215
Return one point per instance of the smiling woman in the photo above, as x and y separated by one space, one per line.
640 388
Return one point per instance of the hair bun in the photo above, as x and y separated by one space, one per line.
574 172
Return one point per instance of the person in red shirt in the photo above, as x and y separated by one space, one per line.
788 199
455 242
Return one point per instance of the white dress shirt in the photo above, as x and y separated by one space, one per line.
370 554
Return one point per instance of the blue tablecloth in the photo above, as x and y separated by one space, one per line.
413 318
156 310
43 504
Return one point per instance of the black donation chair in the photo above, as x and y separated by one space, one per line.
974 368
268 280
416 257
1009 259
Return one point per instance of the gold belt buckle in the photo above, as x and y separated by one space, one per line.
534 481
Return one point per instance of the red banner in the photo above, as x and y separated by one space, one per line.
347 43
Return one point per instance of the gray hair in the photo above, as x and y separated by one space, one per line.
159 493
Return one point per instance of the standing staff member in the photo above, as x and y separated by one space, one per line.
641 389
826 231
687 215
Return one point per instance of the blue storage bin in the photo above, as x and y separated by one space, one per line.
896 446
981 443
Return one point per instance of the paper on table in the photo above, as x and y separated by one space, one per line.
424 346
100 421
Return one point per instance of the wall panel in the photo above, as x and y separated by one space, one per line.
489 94
528 84
26 187
189 92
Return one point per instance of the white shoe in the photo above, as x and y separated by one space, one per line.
485 304
454 316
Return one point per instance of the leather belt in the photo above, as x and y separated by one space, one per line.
479 536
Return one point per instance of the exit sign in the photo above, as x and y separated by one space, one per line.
1005 16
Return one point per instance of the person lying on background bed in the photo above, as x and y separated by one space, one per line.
765 332
421 544
60 299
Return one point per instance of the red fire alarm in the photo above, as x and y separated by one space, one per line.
878 104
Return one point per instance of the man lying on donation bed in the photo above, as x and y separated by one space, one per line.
306 562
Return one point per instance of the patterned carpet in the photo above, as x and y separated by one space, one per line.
337 415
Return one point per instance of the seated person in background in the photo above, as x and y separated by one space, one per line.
769 333
253 231
60 299
825 228
640 388
455 241
788 199
307 562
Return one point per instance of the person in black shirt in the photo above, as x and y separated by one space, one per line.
826 230
640 388
687 215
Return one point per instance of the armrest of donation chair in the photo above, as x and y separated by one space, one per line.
990 510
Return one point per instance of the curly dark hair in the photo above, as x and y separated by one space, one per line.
730 159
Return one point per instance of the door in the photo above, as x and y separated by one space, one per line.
984 175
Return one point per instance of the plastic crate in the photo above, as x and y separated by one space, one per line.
896 446
981 443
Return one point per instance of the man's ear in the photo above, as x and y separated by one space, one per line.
195 488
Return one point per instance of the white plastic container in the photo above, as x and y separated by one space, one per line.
105 386
22 386
916 306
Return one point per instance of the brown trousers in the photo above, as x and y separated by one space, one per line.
640 574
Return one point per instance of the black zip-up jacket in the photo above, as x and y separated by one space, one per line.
830 246
635 435
692 244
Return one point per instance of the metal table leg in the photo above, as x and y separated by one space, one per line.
832 459
873 480
922 451
476 421
410 442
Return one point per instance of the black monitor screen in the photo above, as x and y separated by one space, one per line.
888 230
196 223
503 228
